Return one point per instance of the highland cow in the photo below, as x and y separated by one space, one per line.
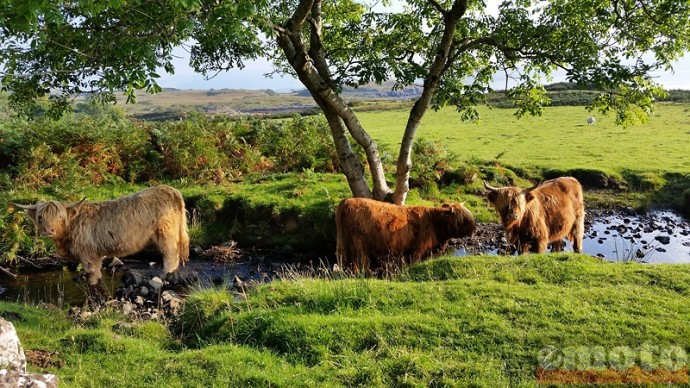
90 231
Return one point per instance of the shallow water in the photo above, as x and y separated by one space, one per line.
60 286
655 237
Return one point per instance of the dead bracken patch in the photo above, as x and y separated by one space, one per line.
43 359
226 252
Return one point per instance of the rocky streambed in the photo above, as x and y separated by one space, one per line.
620 235
659 236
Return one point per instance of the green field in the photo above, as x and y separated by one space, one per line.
560 139
474 321
453 321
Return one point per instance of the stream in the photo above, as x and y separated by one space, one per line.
619 236
659 236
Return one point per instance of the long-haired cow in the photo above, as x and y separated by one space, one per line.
373 234
540 215
89 231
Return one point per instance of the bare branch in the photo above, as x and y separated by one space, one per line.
438 6
73 50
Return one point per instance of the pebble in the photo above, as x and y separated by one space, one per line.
663 239
143 291
155 283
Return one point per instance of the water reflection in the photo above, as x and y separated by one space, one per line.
655 237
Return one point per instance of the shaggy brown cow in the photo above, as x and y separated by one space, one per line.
543 214
374 234
89 231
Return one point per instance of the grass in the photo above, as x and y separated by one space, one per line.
479 321
297 208
560 139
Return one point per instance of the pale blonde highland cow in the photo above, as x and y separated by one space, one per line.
90 231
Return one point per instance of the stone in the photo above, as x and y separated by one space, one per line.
128 307
629 211
11 353
13 362
143 291
663 239
126 291
155 284
197 251
173 301
133 278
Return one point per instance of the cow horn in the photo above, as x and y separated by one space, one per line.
78 203
488 187
27 207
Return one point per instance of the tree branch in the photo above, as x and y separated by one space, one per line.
438 7
294 24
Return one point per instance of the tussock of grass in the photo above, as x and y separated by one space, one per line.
448 319
448 322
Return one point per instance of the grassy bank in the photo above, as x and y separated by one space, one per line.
276 183
449 322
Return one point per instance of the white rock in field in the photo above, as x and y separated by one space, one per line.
13 362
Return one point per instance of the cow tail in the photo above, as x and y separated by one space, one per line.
183 241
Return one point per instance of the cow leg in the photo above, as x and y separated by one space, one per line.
171 255
360 256
577 234
557 246
535 246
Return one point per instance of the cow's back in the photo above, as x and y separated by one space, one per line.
368 229
126 225
562 205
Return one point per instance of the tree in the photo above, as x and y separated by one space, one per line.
454 48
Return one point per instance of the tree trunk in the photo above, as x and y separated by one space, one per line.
349 164
312 71
420 107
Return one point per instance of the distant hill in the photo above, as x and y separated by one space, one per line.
572 94
174 103
374 91
561 93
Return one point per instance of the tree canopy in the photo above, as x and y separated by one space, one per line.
453 48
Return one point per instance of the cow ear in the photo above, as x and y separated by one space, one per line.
491 196
529 196
29 209
73 209
449 207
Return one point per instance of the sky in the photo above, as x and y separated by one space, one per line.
252 76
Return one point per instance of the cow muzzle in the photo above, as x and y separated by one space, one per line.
48 232
513 216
